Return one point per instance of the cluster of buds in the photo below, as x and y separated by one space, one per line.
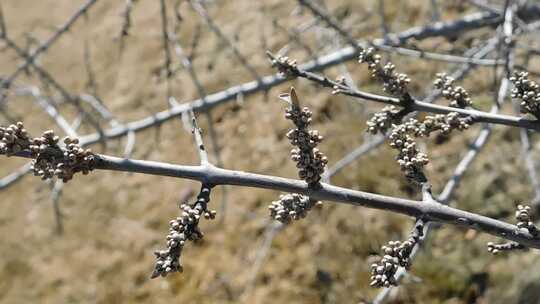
183 228
380 122
525 223
309 160
528 91
410 159
393 82
286 66
50 160
440 122
340 82
458 96
13 139
396 254
498 248
291 207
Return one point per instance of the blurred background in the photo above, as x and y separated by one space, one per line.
92 240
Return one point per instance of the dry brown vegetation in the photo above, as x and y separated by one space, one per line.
113 221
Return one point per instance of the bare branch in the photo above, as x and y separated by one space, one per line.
332 22
56 192
126 24
198 140
197 6
50 80
165 39
3 29
49 108
361 150
217 176
48 43
414 105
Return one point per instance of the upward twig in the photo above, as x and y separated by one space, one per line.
203 155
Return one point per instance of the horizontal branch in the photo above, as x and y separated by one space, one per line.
429 211
415 105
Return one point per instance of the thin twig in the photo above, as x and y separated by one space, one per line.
3 29
49 108
416 105
197 6
435 13
126 24
198 140
165 39
48 43
361 150
56 192
331 21
50 80
384 25
15 176
91 83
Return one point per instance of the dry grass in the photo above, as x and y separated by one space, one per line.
113 221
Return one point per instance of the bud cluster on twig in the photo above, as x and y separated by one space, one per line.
381 121
395 254
525 220
183 228
309 160
286 66
528 91
410 159
458 96
393 82
508 246
525 223
49 159
291 207
439 122
13 139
